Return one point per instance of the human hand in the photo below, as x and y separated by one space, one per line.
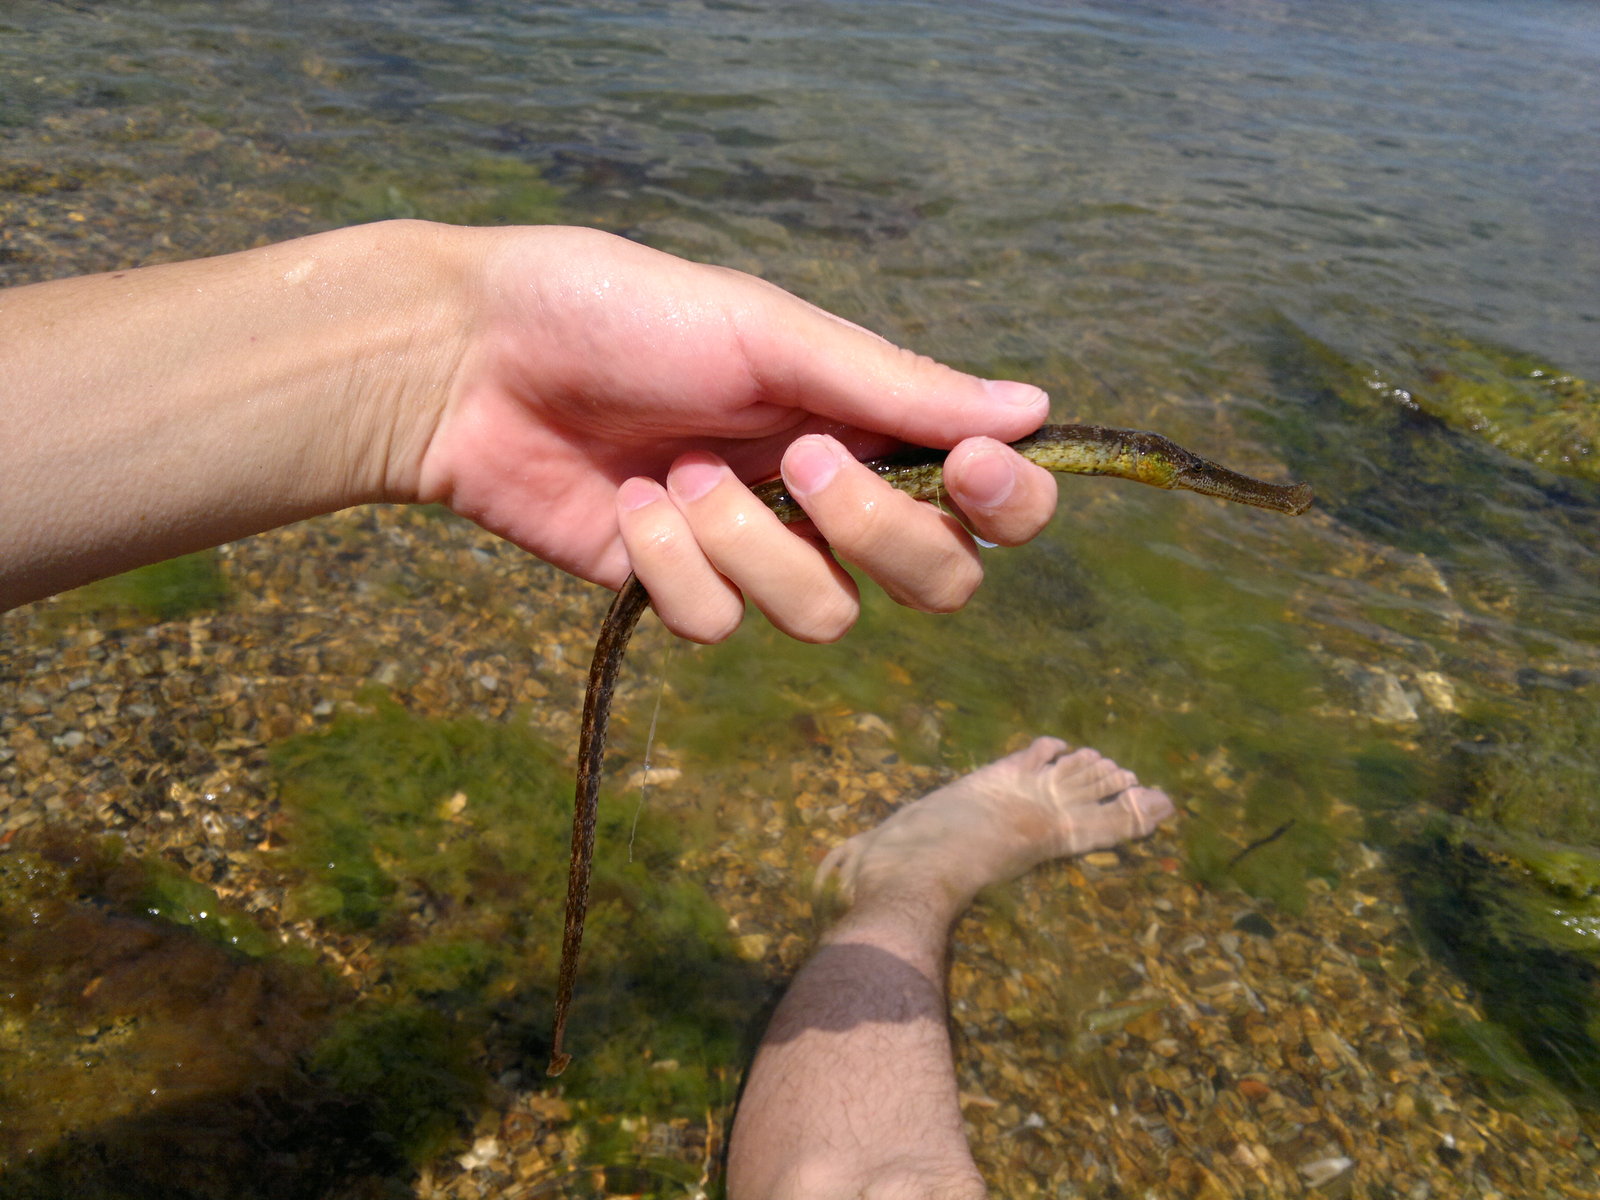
612 399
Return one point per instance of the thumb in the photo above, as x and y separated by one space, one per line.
805 357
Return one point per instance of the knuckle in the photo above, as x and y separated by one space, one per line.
883 524
950 584
825 622
708 622
732 535
867 530
666 543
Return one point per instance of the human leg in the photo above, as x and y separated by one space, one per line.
853 1091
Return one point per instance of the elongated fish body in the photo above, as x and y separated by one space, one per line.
1080 450
919 472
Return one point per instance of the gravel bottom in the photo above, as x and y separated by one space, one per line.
1120 1030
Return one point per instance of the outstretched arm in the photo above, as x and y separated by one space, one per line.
595 402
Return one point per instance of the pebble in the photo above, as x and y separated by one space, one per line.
1325 1170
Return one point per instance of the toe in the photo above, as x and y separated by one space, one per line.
1146 808
1132 813
1038 756
839 867
1042 750
1087 777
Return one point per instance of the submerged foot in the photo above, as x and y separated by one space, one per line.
1047 801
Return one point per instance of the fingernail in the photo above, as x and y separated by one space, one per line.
1009 391
811 464
987 480
637 493
694 478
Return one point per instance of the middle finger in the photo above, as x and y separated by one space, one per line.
922 557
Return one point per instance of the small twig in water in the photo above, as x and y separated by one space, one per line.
1261 841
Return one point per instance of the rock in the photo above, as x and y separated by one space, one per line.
484 1152
1325 1170
1255 923
1384 699
652 777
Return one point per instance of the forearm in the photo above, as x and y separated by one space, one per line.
152 412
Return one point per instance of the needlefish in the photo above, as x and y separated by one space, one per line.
1069 449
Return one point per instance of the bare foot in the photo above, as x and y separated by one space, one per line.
1044 802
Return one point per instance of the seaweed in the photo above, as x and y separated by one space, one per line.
164 591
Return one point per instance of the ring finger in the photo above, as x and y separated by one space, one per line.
790 578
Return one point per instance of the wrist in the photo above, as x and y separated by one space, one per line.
410 329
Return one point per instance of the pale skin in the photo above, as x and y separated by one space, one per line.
852 1094
595 402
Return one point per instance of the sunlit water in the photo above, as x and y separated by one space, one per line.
1201 218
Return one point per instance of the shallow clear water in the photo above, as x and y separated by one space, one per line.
1249 225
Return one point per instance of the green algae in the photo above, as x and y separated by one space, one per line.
164 591
482 190
415 1067
1527 407
170 895
445 841
1497 1059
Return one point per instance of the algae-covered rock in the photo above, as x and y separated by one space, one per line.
1532 889
1531 819
143 1053
1538 775
1508 887
1528 408
1519 921
1400 461
1525 406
